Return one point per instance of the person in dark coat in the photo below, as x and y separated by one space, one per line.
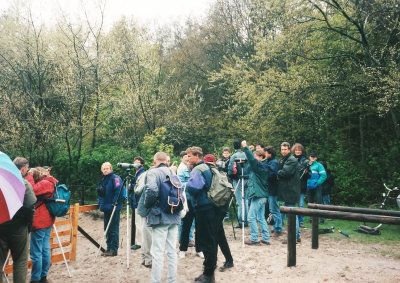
299 153
14 234
289 181
138 163
108 191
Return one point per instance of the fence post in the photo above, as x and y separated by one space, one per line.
74 235
291 260
314 233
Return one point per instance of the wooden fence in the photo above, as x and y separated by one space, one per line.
68 236
334 212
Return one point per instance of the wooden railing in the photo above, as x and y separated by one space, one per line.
68 236
333 212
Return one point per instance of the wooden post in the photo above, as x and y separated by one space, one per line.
314 233
74 235
291 259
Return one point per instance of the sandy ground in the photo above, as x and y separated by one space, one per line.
334 261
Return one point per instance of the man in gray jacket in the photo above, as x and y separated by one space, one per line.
164 225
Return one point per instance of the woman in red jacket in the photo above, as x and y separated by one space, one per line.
43 185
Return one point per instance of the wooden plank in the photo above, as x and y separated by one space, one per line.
89 207
342 215
93 241
59 257
314 233
291 237
63 222
9 268
60 234
355 209
74 234
56 245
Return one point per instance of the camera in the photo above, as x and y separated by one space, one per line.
240 160
128 166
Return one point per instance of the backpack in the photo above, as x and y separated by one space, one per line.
220 191
58 204
171 194
312 182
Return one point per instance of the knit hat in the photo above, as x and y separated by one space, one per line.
209 158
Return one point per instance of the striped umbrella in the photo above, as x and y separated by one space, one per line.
12 188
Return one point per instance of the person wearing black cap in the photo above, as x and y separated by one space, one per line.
317 175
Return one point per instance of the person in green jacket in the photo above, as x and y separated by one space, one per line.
257 194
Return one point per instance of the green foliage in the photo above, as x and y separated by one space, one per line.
322 73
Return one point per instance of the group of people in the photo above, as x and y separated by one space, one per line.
32 218
257 177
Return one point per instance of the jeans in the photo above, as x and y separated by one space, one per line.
315 196
274 209
301 204
146 241
164 237
40 253
206 228
238 196
326 199
17 241
256 214
112 236
297 219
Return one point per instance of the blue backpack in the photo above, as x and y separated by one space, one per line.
58 205
312 182
171 194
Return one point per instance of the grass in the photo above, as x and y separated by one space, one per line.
387 243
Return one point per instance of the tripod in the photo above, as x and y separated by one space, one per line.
125 184
241 179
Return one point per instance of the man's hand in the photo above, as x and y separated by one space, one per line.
244 143
251 147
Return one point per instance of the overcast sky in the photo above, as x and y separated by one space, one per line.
145 11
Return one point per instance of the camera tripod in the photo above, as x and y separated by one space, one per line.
125 184
241 180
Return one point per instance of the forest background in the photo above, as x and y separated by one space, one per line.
323 73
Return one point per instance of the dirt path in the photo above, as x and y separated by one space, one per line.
334 261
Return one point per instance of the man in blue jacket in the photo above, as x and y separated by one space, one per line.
205 213
109 191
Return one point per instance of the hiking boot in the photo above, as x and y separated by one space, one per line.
200 254
238 226
301 225
44 280
275 234
226 266
265 242
205 278
182 254
191 244
298 240
250 242
135 247
110 253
